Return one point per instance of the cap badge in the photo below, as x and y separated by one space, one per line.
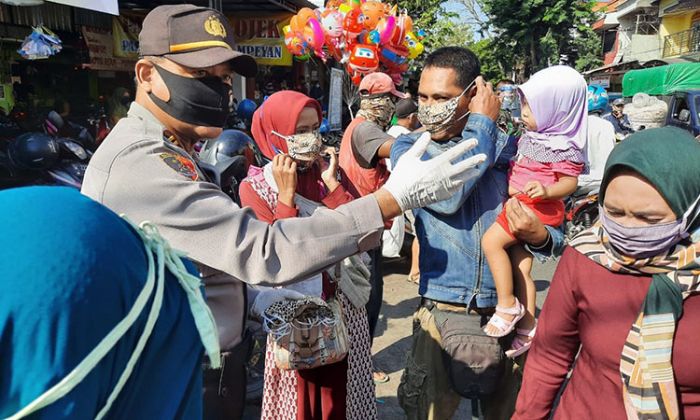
214 27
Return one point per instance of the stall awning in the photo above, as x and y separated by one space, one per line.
104 6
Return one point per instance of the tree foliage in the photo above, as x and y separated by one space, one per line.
544 32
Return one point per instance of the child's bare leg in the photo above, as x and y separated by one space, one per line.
524 284
495 244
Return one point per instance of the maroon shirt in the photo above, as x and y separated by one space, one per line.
592 308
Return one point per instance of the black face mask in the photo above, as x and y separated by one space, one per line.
204 101
125 100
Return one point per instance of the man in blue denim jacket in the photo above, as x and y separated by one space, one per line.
455 280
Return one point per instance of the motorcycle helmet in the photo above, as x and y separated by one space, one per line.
597 99
53 123
229 144
33 151
246 109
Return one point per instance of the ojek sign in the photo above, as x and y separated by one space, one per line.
261 37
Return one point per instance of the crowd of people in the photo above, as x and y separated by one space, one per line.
104 315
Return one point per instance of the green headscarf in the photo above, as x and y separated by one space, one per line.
668 157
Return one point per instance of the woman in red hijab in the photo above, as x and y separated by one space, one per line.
294 184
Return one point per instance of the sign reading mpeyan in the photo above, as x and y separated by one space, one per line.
261 37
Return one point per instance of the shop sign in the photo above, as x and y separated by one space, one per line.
126 38
261 37
104 6
100 44
603 81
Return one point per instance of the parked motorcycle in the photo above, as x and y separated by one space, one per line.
39 159
581 212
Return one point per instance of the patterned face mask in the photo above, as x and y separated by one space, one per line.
439 117
304 148
379 109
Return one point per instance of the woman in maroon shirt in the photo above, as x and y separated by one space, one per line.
624 298
294 184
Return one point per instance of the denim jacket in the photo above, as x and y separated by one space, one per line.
453 268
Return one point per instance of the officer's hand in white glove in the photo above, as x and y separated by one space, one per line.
267 297
415 183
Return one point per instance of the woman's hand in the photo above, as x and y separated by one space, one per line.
330 175
535 189
284 170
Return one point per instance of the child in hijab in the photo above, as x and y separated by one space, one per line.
550 157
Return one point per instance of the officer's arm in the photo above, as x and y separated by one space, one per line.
196 217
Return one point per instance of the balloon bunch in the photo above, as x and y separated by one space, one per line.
365 35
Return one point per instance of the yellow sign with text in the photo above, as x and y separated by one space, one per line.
261 37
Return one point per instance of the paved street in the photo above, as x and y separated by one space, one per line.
394 341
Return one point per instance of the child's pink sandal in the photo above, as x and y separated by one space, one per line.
503 325
519 345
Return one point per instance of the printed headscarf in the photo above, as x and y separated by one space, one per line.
557 97
280 112
668 159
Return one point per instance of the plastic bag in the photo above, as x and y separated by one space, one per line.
41 43
393 238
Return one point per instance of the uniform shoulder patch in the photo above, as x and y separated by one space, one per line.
181 165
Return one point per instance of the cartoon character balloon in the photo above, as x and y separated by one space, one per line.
353 25
314 36
295 42
415 47
373 11
364 59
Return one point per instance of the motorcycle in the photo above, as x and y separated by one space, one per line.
38 159
581 212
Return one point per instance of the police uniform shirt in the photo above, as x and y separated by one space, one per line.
136 171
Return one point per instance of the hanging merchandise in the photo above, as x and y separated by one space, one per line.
364 35
41 43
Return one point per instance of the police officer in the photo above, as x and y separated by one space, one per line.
146 170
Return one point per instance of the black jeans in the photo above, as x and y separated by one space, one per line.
376 295
225 388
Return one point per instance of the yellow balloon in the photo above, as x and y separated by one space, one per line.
415 47
344 8
286 29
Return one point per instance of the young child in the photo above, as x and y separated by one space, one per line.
550 158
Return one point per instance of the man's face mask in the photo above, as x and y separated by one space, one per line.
378 109
441 116
304 148
203 101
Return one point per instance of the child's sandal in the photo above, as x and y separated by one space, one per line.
519 345
504 326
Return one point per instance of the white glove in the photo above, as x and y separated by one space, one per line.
415 183
268 297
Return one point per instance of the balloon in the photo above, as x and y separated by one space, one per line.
386 28
299 21
296 44
374 11
353 24
314 37
364 59
404 25
344 9
415 47
332 23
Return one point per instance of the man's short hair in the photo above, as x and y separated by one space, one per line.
464 62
